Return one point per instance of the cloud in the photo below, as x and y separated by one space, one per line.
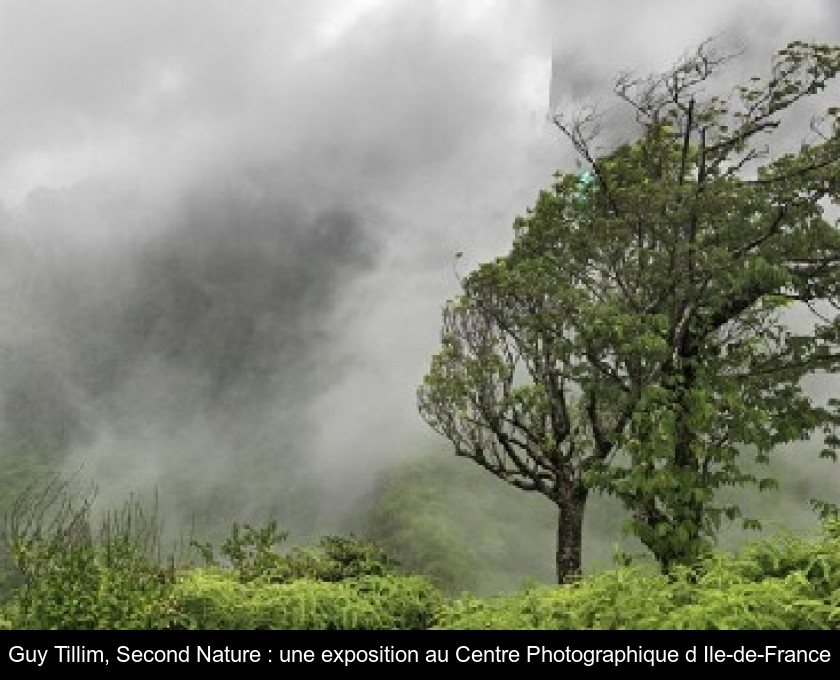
229 227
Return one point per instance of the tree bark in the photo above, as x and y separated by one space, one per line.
570 505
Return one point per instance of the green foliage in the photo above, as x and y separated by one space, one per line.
632 340
76 578
618 599
73 577
782 584
20 467
214 600
252 552
337 558
7 616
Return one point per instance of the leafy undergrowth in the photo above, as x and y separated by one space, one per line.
213 600
77 579
786 583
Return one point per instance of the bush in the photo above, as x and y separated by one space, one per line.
617 599
252 552
785 583
341 583
75 578
212 599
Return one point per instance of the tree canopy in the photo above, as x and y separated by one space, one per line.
634 339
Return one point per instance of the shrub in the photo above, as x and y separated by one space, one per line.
785 583
212 599
252 552
75 578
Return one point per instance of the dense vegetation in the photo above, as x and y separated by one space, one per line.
786 583
116 578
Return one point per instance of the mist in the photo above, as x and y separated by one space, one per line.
228 229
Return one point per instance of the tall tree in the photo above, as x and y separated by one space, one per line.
634 339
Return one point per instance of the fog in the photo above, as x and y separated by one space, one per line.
228 228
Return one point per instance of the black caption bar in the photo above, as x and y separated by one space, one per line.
27 651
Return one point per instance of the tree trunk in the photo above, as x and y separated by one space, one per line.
570 505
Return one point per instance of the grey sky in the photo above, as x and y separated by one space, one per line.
229 226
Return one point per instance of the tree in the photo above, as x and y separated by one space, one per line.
634 339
